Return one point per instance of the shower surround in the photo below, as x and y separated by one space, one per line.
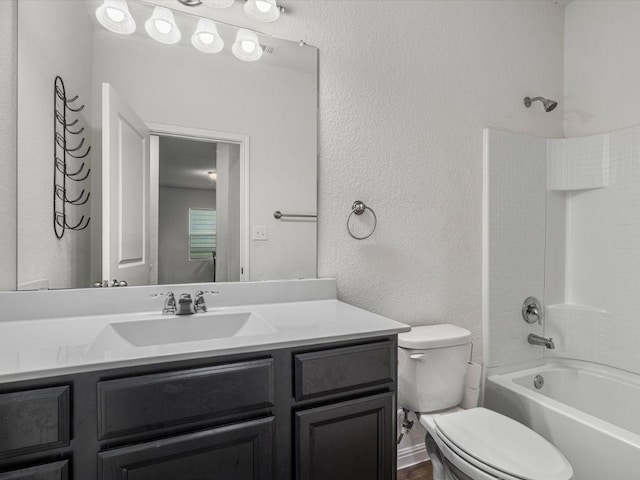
562 222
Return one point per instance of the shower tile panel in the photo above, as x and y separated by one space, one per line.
514 231
599 319
580 163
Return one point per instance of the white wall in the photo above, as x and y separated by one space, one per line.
174 265
228 212
8 82
602 66
54 39
405 91
275 106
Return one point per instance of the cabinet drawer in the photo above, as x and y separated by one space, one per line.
152 402
34 420
50 471
234 452
340 369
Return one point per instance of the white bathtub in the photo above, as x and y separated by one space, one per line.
590 412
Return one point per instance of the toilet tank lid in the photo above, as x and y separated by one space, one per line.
434 336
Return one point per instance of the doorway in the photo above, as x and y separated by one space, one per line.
197 208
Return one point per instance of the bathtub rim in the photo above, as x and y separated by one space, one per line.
504 378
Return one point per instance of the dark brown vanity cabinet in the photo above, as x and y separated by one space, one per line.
324 411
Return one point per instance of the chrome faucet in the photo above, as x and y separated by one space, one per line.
169 307
185 305
200 305
534 339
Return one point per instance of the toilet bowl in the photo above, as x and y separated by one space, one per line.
474 444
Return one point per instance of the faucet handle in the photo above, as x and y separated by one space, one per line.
199 303
169 302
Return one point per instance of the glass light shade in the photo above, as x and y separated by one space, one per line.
114 16
162 26
247 47
206 37
262 10
219 3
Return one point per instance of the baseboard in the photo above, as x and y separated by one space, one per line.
409 456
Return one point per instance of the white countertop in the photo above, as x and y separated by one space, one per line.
54 346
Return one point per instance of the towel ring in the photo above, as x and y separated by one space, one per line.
359 208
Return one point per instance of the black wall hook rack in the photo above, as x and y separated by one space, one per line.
65 145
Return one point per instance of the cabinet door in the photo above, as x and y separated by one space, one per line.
347 440
242 451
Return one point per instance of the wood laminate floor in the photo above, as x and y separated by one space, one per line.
421 471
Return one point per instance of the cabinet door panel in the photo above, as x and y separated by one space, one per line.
234 452
50 471
34 420
347 440
152 402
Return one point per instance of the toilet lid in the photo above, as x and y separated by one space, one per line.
434 336
503 444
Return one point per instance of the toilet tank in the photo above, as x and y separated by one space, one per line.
432 362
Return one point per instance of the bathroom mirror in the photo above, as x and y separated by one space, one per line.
257 121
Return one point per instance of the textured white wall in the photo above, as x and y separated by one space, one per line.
602 66
405 91
8 78
54 39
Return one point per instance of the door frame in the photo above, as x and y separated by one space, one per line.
214 136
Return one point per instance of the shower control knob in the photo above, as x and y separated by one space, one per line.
532 310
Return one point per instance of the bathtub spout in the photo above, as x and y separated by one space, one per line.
534 339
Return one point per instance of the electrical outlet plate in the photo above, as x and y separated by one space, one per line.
259 233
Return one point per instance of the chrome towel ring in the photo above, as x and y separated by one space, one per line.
359 208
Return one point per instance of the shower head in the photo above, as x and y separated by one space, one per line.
548 104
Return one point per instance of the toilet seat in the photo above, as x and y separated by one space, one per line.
499 446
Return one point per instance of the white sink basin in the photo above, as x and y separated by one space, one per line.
192 328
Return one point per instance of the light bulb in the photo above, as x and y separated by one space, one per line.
114 16
263 6
206 37
247 46
162 26
213 174
262 10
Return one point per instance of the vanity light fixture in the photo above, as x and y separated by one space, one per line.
162 27
213 175
247 47
206 37
114 16
219 3
263 10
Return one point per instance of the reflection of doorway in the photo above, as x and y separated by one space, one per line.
193 175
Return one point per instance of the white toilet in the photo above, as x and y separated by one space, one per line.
474 444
